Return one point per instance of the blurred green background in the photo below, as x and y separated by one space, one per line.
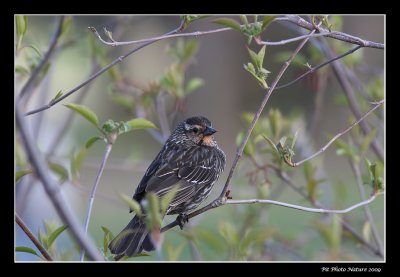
227 93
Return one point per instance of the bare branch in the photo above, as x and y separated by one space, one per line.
53 190
377 105
146 40
116 61
32 237
337 35
26 90
290 40
107 152
297 207
319 66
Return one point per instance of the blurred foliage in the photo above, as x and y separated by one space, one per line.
235 232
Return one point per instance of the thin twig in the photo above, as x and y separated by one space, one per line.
356 169
319 66
53 41
290 40
337 35
32 237
53 190
116 61
222 198
146 40
107 152
377 105
297 207
305 24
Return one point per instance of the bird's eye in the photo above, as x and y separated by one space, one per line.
195 130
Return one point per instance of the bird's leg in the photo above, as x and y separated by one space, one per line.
182 219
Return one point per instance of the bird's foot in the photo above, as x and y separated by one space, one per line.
182 219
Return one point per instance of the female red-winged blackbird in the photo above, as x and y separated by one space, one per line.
191 159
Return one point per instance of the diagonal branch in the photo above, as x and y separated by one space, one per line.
319 66
107 152
377 105
53 190
295 19
97 74
32 237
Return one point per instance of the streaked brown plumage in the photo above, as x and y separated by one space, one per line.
190 158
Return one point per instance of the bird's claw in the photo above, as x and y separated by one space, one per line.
182 219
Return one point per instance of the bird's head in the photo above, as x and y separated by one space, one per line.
196 130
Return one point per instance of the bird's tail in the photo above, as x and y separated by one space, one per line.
133 239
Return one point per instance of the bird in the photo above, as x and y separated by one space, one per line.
190 159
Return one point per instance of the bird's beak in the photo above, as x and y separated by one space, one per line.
209 131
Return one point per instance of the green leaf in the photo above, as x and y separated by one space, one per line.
260 56
77 161
140 123
126 101
84 111
133 205
249 148
42 237
173 252
154 210
91 140
193 84
59 170
21 70
167 198
299 60
21 173
336 231
108 236
52 237
273 146
294 139
266 21
107 231
108 34
210 238
26 250
250 68
276 122
243 18
21 23
227 22
367 141
309 171
34 49
255 58
58 95
229 233
66 26
366 231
